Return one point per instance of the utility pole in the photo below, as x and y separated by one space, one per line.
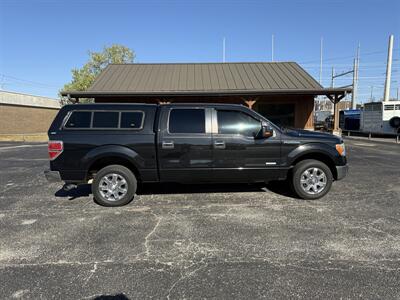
355 78
272 48
386 94
334 75
354 94
223 49
320 66
332 86
372 92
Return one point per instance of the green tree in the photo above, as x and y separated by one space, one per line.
84 77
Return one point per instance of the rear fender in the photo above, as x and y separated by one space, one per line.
113 151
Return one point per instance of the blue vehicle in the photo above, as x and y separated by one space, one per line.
350 119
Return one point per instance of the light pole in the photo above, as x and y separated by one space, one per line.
386 94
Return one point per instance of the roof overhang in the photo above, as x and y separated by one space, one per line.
101 94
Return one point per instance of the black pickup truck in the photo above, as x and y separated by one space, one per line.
117 146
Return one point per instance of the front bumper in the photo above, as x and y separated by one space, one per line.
341 171
52 176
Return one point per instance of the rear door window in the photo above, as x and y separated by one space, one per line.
105 119
79 119
187 121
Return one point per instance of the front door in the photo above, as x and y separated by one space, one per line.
185 148
238 156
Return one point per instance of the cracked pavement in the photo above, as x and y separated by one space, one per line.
206 241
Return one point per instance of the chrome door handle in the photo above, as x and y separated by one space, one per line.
168 145
219 145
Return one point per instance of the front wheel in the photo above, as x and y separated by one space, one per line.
312 179
114 185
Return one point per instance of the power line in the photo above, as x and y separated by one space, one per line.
345 57
4 76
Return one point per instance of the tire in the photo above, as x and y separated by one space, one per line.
395 122
114 185
318 173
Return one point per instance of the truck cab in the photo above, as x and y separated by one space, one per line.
119 146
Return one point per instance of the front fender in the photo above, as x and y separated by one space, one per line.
317 148
112 151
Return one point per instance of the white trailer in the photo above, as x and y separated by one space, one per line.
381 117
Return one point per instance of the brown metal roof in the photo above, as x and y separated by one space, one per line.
202 78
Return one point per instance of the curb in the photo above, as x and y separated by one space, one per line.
35 137
372 140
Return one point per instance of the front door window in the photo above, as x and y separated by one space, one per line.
236 122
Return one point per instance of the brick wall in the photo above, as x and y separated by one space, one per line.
23 114
25 120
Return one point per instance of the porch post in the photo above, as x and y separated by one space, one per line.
335 99
336 117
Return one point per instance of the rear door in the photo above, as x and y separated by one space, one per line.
184 144
238 156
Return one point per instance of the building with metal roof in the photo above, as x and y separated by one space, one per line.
282 91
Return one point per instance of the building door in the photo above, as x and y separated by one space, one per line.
237 155
281 114
185 148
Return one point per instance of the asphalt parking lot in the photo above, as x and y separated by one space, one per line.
222 241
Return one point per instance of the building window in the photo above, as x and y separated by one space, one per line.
280 114
79 119
389 107
132 120
187 121
235 122
105 119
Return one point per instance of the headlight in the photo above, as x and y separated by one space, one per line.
341 149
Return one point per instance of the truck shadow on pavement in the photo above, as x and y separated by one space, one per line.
278 187
82 190
174 188
111 297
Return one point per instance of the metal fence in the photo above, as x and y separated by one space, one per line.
370 134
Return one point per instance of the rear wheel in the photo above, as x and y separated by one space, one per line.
114 185
312 179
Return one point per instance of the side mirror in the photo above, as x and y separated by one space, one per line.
265 132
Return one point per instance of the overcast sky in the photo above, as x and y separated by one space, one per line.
42 40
